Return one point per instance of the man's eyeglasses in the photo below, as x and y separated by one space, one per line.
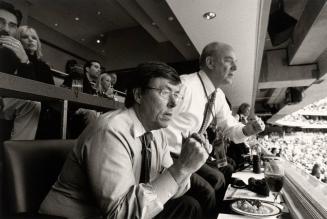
165 93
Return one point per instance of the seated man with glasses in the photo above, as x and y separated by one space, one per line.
166 93
121 166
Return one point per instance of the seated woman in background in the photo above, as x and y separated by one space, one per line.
104 86
38 70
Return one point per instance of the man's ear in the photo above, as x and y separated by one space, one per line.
209 62
137 95
87 69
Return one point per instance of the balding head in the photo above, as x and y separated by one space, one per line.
214 48
217 60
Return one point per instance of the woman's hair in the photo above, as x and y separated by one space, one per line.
100 89
242 108
24 29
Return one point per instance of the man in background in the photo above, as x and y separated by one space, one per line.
92 71
217 67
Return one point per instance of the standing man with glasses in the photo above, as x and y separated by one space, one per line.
121 166
13 58
217 67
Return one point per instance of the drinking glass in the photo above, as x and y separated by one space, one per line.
77 86
274 175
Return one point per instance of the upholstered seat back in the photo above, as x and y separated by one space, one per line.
30 169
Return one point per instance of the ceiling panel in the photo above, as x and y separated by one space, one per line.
236 23
95 17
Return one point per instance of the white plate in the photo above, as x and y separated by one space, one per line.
271 209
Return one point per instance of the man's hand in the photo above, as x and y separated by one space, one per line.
194 153
254 126
15 46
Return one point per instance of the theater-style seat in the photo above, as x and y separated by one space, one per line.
30 169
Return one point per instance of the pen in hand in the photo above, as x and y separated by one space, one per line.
198 138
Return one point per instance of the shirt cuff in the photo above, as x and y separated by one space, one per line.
165 186
239 135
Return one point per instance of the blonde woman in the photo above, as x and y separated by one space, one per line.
35 68
104 86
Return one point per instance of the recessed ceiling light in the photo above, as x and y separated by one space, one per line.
170 18
101 35
98 41
98 12
76 18
56 24
209 15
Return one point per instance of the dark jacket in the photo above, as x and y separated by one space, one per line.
36 70
8 61
87 87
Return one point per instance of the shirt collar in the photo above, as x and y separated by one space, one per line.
210 88
137 128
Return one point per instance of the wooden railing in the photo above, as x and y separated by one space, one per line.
22 88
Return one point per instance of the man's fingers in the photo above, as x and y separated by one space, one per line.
184 137
200 138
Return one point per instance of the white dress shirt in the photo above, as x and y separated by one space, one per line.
102 173
190 112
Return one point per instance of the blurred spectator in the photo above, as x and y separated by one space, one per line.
243 112
113 79
316 171
73 71
274 151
